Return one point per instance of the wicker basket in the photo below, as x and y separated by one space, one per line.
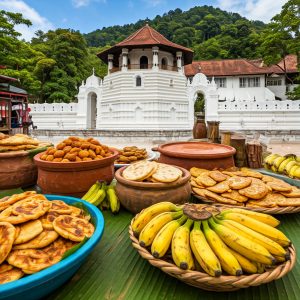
266 210
217 284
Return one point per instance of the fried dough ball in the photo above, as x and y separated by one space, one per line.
51 151
98 149
43 157
76 144
71 156
57 159
77 158
93 147
59 153
95 142
68 142
61 146
99 156
83 153
67 149
102 152
108 154
75 149
50 157
132 158
86 159
73 138
85 145
65 160
92 154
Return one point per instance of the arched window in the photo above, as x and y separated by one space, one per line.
138 81
164 63
144 62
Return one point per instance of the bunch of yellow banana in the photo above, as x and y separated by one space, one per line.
103 196
235 241
288 164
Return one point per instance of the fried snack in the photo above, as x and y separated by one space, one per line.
199 192
131 154
195 184
197 171
295 193
256 190
205 179
220 187
250 173
18 140
235 195
217 176
261 203
7 201
229 173
42 240
60 207
138 170
237 183
155 168
4 267
10 275
7 237
166 173
267 178
280 186
28 231
48 218
73 228
218 198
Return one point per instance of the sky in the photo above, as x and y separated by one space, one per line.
89 15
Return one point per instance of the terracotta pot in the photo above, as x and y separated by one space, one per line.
73 178
135 196
17 169
197 154
199 130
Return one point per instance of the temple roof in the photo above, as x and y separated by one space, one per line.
148 37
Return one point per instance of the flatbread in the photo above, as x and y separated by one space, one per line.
4 267
7 237
61 207
267 178
256 190
205 179
251 173
139 170
73 228
220 187
10 275
237 182
7 201
280 186
217 176
235 195
18 139
42 240
295 193
195 184
197 171
28 231
199 192
166 173
218 198
288 201
48 218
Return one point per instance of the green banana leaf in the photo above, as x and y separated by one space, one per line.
5 193
33 152
75 248
85 210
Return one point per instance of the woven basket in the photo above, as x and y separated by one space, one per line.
266 210
217 284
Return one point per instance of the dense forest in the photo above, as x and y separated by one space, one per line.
52 65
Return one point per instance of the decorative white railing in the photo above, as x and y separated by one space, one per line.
53 108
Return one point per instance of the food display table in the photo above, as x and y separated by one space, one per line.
114 270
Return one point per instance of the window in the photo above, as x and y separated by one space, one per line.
249 82
271 82
144 62
164 63
221 82
138 81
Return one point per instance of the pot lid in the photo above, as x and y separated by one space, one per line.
196 150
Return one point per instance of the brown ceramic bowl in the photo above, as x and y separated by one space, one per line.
135 196
197 154
73 178
17 169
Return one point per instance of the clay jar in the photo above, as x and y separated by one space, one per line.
197 154
17 169
73 178
135 196
199 130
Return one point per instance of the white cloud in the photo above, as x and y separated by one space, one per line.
38 22
262 10
81 3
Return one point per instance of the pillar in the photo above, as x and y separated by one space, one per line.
110 62
179 61
155 64
124 59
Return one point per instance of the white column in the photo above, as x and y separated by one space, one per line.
179 61
110 62
155 58
124 59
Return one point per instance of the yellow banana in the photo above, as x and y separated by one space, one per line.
203 253
270 159
162 241
228 262
260 267
267 219
143 218
282 166
181 251
247 265
242 245
289 166
278 161
269 231
154 226
273 247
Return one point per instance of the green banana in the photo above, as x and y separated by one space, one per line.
98 196
112 199
91 190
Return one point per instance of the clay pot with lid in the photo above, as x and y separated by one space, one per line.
135 195
197 154
73 178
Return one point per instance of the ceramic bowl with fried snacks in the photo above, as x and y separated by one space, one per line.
42 283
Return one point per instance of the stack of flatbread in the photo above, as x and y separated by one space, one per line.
244 187
35 233
151 171
19 142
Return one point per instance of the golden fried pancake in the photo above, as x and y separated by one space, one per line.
218 198
48 219
4 267
267 178
261 203
7 237
237 183
28 231
10 275
195 184
7 201
205 179
288 201
235 195
197 171
229 173
220 187
295 193
217 175
256 190
166 173
61 207
17 140
73 228
57 249
199 192
251 173
75 211
42 240
280 186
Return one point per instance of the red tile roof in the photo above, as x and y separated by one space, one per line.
231 67
148 37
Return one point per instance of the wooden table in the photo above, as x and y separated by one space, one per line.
115 270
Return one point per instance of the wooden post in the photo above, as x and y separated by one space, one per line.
254 154
213 131
239 143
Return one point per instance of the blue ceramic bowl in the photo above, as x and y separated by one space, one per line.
42 283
